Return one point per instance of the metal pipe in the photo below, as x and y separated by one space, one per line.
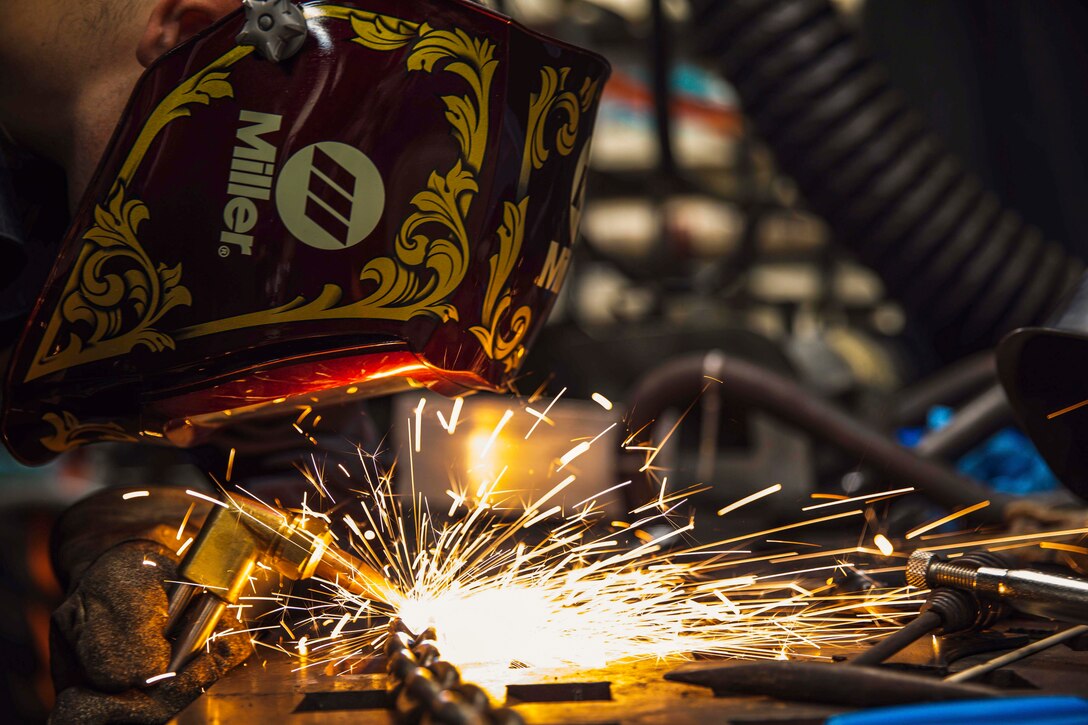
1018 654
980 418
682 380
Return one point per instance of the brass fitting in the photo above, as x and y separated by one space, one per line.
218 566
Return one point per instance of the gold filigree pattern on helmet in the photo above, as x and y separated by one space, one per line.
69 433
498 346
116 293
553 98
106 314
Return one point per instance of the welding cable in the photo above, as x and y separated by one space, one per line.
946 611
680 381
902 638
967 269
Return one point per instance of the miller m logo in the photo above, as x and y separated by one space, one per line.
330 196
555 268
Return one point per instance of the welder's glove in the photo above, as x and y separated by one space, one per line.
107 638
107 641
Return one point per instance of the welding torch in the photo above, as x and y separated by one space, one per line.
236 539
1064 598
971 592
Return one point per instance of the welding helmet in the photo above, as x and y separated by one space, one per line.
1043 370
306 203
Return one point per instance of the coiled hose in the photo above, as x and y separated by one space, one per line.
968 270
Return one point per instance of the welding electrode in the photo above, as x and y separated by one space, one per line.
231 543
1034 592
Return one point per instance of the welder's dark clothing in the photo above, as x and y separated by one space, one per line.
33 218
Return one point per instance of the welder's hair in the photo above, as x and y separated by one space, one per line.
101 15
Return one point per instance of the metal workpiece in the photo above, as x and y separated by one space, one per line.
426 687
280 688
1018 654
1027 590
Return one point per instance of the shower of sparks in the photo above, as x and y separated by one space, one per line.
184 547
749 499
945 519
536 581
185 521
451 425
884 544
867 498
543 417
602 401
1069 409
558 587
205 497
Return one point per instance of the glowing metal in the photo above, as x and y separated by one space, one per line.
944 520
749 499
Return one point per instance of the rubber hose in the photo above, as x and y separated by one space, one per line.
902 638
679 382
966 269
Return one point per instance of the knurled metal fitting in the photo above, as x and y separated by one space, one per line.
918 569
926 570
990 578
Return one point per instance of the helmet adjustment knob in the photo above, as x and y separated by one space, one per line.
276 28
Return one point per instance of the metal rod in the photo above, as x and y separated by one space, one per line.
180 596
1019 654
193 637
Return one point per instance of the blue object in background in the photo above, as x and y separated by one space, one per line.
1008 460
1044 710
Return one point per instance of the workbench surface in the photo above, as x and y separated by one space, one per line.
271 690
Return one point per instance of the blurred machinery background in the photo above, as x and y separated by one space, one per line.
800 199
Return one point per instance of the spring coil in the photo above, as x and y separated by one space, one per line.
967 269
427 689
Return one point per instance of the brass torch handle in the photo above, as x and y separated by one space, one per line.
353 574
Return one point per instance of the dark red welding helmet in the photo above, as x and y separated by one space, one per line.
308 202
